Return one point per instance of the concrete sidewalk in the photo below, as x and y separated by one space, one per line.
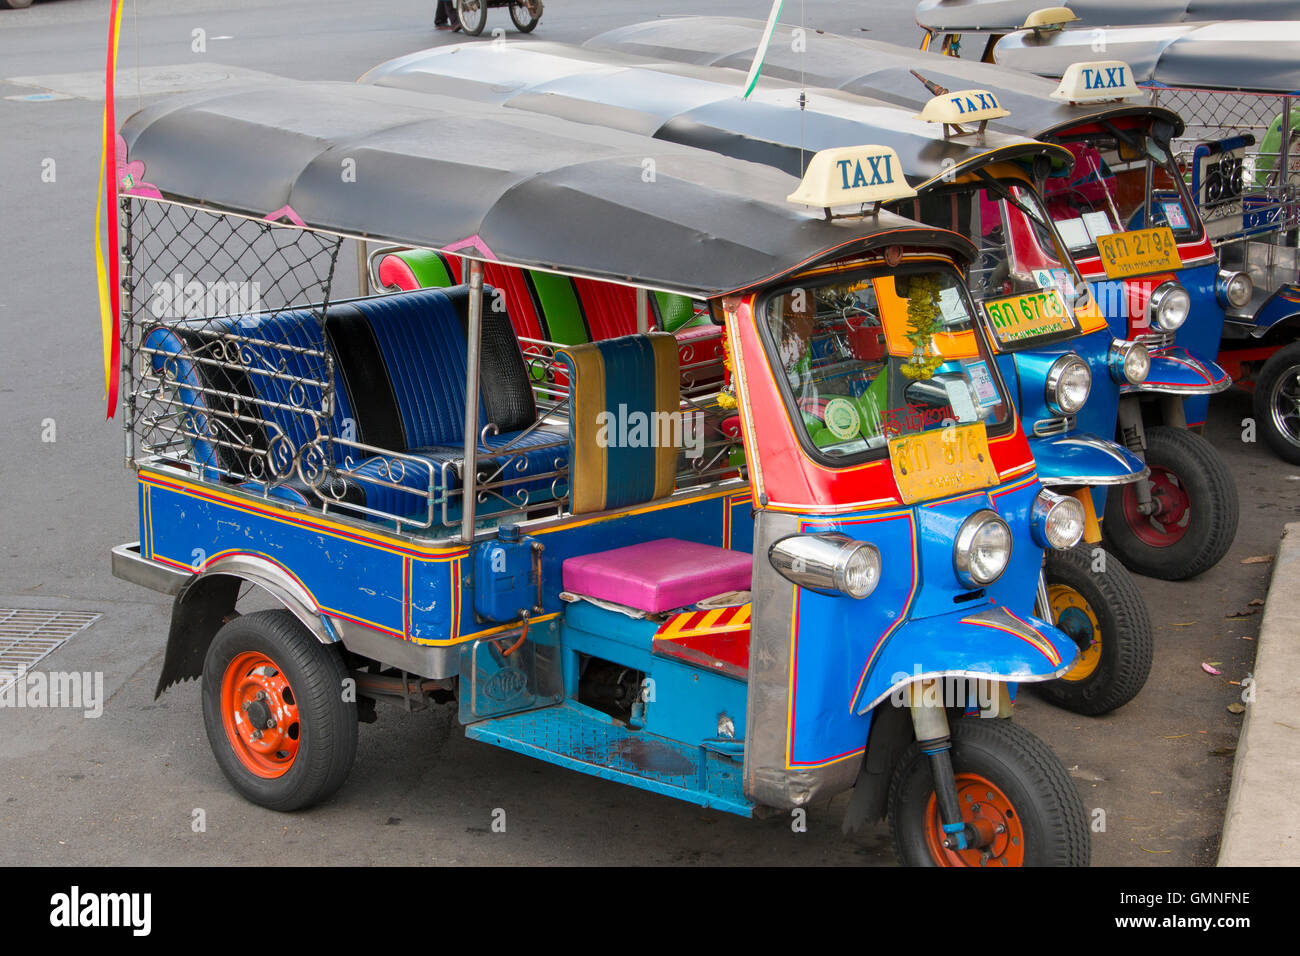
1261 827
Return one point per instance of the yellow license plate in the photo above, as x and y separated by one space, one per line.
945 461
1127 254
1018 320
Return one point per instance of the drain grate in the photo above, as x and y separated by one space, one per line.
28 635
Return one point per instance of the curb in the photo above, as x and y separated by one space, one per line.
1261 827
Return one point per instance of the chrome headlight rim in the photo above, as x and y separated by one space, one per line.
964 545
821 562
1055 375
1160 304
1223 288
1129 362
1049 508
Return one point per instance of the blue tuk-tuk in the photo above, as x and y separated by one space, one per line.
848 607
1182 519
1053 344
1234 84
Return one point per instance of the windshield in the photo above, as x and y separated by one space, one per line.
1019 250
879 355
1106 192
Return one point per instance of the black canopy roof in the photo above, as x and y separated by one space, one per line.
697 106
1237 55
497 185
868 68
1003 16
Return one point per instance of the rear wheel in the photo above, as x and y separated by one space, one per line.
1277 403
274 709
473 15
1196 509
526 14
1012 789
1105 614
14 4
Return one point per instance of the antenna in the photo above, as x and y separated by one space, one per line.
934 88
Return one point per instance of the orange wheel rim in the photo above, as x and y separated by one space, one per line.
259 712
987 808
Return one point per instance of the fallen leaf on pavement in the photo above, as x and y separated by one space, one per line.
1258 602
1236 708
1210 668
1258 559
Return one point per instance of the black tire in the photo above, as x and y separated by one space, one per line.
473 16
524 21
1277 403
326 742
1045 801
1210 522
1107 612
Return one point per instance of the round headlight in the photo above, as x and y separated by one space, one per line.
1235 288
1169 306
859 571
1130 362
1056 521
1069 381
982 549
829 562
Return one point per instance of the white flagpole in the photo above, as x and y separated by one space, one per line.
757 66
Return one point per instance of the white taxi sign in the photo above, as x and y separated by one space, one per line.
1049 18
1096 82
852 175
962 106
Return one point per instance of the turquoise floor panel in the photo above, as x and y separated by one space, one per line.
579 738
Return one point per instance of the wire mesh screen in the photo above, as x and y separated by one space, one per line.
235 375
1240 191
229 373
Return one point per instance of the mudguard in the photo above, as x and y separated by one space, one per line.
1174 371
1281 307
981 641
1079 458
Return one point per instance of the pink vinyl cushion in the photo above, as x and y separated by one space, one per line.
658 575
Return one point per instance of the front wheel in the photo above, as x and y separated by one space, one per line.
473 15
1012 789
526 14
1105 614
1196 509
1277 403
279 722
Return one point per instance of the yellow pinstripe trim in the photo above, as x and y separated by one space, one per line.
265 508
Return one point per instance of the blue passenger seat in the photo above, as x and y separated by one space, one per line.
399 367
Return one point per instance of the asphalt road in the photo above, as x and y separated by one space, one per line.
124 788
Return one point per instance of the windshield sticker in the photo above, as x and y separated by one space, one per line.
981 383
1174 215
1098 224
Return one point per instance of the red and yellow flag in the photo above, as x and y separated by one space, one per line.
106 267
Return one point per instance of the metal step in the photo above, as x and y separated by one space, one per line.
575 736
